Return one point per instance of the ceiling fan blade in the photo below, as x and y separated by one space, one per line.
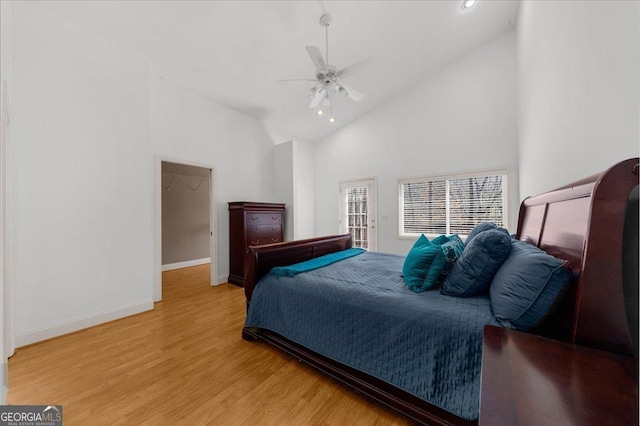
352 93
317 99
316 57
296 79
355 69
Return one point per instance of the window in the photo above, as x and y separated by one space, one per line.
452 204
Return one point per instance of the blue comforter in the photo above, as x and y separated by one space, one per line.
359 312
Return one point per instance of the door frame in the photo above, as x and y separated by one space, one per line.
213 222
8 340
372 214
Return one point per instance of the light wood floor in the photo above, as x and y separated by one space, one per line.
182 363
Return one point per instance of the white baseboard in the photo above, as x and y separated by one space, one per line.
185 264
67 327
222 279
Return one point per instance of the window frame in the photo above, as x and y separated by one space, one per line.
422 179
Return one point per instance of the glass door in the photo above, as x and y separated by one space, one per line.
358 212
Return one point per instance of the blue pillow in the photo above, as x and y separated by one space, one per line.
417 263
444 260
476 267
528 285
481 227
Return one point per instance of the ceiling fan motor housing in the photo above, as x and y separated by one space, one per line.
328 75
325 20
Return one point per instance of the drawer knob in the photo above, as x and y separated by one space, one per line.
275 228
275 240
275 217
254 242
255 217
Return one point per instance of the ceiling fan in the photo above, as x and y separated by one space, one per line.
328 79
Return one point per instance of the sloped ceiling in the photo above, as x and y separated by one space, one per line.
234 51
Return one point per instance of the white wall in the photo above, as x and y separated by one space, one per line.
578 88
293 184
462 119
6 64
82 178
303 189
283 184
89 119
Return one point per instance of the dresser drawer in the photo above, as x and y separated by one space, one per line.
263 241
264 234
263 219
263 231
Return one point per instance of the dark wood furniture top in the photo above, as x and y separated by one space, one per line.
533 380
251 224
582 223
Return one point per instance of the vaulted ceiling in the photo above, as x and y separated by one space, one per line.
234 51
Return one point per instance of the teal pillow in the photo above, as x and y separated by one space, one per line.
446 256
416 265
421 241
439 240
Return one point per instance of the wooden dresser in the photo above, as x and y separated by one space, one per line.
530 380
251 224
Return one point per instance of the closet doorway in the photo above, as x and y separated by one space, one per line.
185 231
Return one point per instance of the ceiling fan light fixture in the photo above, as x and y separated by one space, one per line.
331 120
466 4
343 91
319 112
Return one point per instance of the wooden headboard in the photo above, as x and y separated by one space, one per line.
584 223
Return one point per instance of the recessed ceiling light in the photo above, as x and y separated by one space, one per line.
319 112
466 4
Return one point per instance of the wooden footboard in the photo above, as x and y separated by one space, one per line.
262 258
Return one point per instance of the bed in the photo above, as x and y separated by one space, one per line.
585 223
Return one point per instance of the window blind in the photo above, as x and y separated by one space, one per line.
451 205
